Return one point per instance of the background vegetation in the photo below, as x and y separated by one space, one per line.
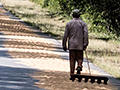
103 16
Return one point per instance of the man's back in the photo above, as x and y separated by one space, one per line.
75 33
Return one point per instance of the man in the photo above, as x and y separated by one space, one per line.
76 33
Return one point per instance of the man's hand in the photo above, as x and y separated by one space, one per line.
84 48
65 49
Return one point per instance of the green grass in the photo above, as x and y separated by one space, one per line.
102 50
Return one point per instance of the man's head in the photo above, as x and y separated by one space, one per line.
76 13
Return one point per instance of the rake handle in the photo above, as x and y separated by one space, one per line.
87 62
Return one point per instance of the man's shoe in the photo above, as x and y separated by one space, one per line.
72 78
78 70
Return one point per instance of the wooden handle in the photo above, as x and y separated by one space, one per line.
87 62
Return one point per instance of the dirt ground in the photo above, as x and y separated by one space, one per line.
55 71
54 80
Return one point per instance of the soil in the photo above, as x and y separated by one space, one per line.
54 80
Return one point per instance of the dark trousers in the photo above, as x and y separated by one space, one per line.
75 55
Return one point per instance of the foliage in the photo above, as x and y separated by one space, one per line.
105 13
108 10
102 15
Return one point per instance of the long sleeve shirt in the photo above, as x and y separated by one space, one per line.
76 32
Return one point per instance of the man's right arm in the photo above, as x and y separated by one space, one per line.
85 35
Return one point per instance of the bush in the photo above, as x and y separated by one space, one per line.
101 15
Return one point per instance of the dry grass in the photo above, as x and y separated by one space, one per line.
34 15
105 54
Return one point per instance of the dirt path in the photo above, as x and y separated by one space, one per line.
60 81
32 49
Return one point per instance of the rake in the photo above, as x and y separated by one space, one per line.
93 78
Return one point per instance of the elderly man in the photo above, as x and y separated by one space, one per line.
76 33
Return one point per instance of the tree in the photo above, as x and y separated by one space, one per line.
107 10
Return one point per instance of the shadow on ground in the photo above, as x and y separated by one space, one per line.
54 80
17 79
103 52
